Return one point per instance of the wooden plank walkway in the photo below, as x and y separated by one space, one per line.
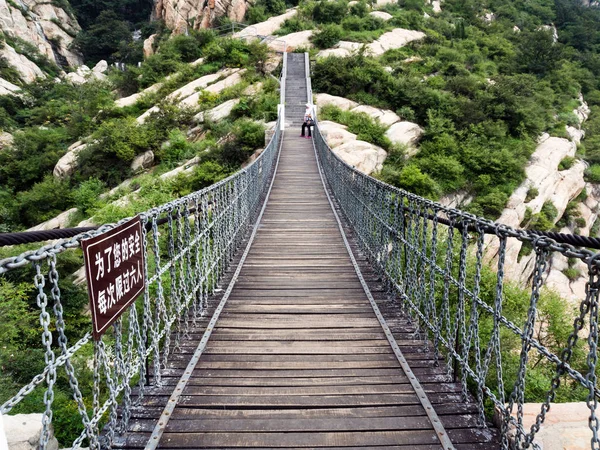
298 358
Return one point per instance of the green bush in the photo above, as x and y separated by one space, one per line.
87 195
592 174
360 124
411 179
566 163
34 154
532 193
327 36
43 201
176 149
326 11
571 273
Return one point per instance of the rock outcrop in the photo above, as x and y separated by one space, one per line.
405 133
384 116
292 41
46 26
83 74
268 27
65 167
8 88
560 187
335 134
565 426
183 15
344 104
218 113
366 157
59 222
23 432
398 37
381 15
142 162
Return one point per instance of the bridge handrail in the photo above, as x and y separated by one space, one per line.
430 256
204 230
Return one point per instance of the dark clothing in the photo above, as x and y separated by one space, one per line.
304 126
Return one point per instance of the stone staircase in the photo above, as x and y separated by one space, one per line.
295 90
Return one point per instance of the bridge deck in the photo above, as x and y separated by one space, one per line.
298 358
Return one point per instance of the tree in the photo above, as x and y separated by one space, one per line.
107 35
538 53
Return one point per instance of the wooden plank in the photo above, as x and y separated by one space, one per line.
295 439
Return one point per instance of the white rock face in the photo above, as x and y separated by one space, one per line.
336 134
228 82
552 29
293 41
437 6
59 222
23 432
182 15
133 99
566 426
398 37
253 89
149 45
84 74
142 119
384 116
559 187
185 168
583 112
344 104
367 158
459 199
575 134
65 167
6 140
381 15
382 3
192 88
7 88
269 26
101 67
46 26
28 70
219 112
405 133
143 161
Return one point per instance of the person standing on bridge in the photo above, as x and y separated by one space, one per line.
308 121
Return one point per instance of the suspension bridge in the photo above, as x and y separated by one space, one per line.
302 304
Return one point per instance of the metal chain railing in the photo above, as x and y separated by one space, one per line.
432 259
185 260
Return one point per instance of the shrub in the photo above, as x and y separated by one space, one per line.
176 149
328 36
592 174
330 11
571 273
87 195
411 179
34 153
532 193
566 163
43 201
184 48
